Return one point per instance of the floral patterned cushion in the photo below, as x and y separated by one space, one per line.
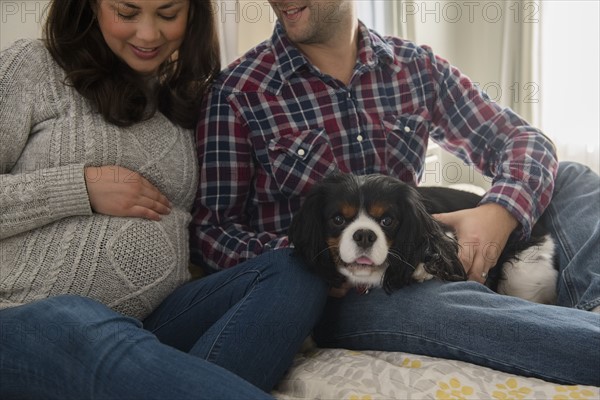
370 375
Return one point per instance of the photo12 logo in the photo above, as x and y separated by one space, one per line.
23 11
258 11
470 11
516 92
247 11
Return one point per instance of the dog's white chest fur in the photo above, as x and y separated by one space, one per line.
533 276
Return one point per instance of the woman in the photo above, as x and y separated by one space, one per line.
98 177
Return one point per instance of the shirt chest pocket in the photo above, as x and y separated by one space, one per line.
298 161
406 145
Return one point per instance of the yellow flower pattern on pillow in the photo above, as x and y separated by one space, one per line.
575 392
510 389
409 363
453 390
339 374
356 397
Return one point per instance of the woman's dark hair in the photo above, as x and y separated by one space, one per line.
74 39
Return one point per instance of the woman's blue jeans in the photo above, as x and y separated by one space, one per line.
222 337
468 322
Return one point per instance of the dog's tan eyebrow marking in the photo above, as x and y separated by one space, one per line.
333 242
377 210
348 211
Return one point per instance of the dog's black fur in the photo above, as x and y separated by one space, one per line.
439 200
414 236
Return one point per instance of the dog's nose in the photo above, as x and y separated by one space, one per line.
364 238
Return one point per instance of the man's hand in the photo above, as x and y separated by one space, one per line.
120 192
482 233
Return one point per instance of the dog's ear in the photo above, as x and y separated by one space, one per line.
307 233
441 255
420 240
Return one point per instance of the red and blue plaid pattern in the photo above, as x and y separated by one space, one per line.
274 125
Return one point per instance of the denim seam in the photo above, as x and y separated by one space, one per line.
210 293
589 305
211 354
563 243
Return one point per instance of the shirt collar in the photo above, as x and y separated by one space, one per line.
372 49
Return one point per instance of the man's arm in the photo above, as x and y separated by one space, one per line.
518 157
220 234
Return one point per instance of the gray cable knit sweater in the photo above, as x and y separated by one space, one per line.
51 242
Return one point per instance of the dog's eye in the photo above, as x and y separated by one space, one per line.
386 221
338 220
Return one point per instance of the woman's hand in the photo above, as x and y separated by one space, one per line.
482 233
120 192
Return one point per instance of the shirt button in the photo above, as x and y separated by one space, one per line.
301 152
406 129
359 138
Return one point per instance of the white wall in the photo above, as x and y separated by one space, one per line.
256 23
243 24
21 19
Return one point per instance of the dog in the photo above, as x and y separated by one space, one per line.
377 231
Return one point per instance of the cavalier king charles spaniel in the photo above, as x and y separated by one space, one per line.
376 231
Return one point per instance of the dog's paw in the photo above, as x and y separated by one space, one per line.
420 275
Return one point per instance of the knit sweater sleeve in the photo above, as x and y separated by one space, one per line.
31 197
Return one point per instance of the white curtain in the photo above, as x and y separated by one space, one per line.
386 17
228 25
539 57
494 42
520 58
570 84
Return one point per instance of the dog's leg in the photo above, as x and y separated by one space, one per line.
420 275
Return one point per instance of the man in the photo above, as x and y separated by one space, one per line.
324 93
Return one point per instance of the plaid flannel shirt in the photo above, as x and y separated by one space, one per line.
273 125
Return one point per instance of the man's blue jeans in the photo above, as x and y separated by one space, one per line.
246 322
468 322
